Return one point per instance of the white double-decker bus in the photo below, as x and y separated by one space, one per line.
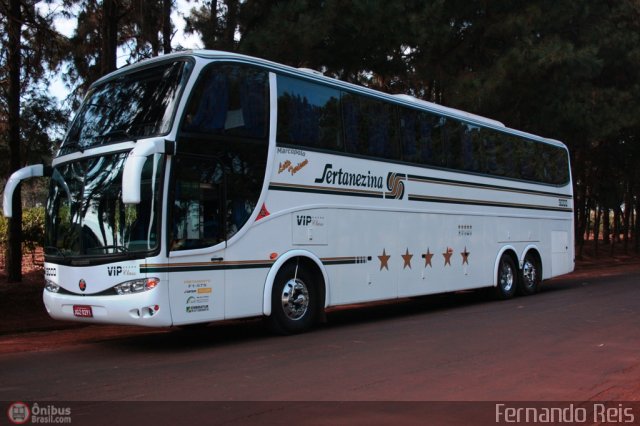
205 185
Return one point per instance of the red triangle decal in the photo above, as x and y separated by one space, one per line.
263 212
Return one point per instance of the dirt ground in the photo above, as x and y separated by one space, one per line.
22 309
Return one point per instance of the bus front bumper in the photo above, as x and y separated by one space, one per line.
150 308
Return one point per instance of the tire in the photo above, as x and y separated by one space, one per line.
294 300
507 278
530 276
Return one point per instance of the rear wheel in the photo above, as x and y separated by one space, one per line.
294 300
507 278
531 275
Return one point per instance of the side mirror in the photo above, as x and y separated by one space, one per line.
37 170
132 173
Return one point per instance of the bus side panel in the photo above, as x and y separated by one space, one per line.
197 294
449 254
244 292
372 236
561 253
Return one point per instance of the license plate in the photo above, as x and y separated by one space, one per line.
83 311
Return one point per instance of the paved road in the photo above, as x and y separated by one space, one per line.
579 339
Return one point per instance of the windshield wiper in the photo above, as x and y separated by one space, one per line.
117 132
121 249
56 249
71 145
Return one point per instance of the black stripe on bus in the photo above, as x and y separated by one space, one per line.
193 267
444 200
423 198
325 190
251 264
424 179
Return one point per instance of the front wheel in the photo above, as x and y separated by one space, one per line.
294 300
507 278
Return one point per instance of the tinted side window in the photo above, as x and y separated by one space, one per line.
308 114
219 167
417 132
229 100
369 127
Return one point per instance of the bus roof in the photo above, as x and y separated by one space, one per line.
307 73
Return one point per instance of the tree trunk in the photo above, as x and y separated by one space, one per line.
14 245
167 5
228 37
606 231
636 236
596 231
616 229
109 46
626 219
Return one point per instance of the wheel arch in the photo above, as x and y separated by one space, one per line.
311 261
535 250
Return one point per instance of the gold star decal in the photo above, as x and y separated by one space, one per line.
407 259
447 256
384 260
427 258
465 256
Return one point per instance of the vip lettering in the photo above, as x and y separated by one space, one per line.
116 271
340 177
310 220
304 220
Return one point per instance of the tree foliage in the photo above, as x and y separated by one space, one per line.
562 69
32 49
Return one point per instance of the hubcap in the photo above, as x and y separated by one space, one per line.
506 277
529 273
295 299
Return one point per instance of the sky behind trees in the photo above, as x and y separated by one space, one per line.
67 26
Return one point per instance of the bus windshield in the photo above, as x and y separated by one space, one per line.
87 218
131 106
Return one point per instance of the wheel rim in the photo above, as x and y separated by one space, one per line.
529 273
295 299
506 277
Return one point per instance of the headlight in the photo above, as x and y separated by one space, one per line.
137 286
51 286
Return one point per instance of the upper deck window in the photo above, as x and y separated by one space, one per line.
229 100
308 114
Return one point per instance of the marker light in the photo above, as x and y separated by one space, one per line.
136 286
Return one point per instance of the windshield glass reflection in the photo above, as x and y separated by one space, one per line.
86 215
131 106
